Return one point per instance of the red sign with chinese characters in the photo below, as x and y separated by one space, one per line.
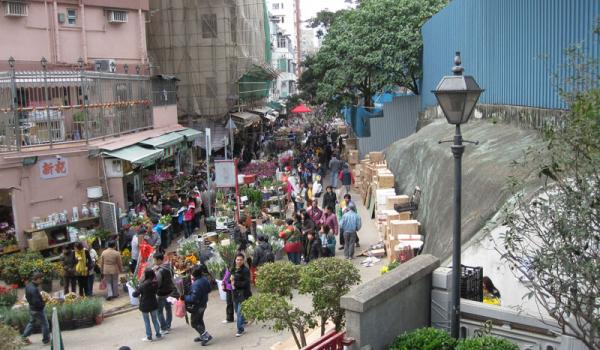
53 167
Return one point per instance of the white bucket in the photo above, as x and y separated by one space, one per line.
222 292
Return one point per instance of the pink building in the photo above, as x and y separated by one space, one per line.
65 30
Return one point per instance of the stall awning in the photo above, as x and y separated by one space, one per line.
190 134
261 110
245 118
135 154
163 141
275 105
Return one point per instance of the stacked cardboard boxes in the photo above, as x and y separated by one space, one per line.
403 237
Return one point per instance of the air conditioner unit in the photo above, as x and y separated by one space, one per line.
15 9
116 16
108 65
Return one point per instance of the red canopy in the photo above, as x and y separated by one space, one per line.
301 108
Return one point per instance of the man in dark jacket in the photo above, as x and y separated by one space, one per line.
196 303
68 264
329 198
164 279
263 252
36 310
240 281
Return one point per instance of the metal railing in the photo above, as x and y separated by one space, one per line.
331 340
51 107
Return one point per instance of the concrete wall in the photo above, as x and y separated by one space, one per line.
163 116
91 37
380 310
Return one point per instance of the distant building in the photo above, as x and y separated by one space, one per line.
284 39
102 31
308 42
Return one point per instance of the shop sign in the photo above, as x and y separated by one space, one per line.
225 173
53 167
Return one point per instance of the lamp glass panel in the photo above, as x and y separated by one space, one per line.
453 105
470 102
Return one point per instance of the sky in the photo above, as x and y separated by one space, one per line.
309 8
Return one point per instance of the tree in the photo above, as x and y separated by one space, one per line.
553 240
323 21
272 305
327 280
367 49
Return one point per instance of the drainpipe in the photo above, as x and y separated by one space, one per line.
83 33
50 40
142 26
56 34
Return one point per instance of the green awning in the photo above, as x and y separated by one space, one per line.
190 134
163 141
275 105
135 154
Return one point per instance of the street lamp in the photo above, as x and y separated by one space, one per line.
457 95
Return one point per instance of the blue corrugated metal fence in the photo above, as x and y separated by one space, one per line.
515 49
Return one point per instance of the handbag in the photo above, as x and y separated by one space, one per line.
180 308
102 284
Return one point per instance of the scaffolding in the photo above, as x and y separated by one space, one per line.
219 49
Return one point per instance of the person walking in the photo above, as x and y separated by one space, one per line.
346 177
68 264
350 225
329 198
229 296
196 303
111 266
240 281
312 247
334 166
36 310
146 291
165 289
82 267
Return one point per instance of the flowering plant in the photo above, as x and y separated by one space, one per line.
8 296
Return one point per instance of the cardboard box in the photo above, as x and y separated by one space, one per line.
39 241
376 156
379 253
352 143
353 156
410 227
386 180
405 215
397 199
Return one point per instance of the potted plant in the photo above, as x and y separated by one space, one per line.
8 296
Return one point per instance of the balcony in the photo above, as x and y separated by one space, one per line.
46 108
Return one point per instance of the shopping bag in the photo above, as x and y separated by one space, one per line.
102 284
180 308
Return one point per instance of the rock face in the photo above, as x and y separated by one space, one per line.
419 160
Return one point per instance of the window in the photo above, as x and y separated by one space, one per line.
13 8
282 65
71 17
276 6
282 5
117 16
211 87
281 41
282 17
209 25
289 66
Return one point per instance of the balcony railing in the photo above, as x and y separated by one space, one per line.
53 107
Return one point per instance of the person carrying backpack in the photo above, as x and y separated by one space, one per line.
196 302
263 253
166 288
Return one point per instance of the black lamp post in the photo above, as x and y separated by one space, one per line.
457 95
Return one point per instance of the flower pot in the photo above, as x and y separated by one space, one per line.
99 319
222 292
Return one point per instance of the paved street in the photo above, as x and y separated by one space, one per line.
128 328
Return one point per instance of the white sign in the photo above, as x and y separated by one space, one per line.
225 174
53 167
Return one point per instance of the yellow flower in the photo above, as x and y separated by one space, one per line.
384 269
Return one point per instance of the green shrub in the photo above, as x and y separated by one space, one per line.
15 317
424 339
486 343
11 339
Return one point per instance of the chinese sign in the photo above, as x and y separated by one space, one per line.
53 167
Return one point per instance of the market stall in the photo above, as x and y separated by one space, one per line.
8 238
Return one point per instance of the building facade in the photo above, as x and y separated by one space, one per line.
62 31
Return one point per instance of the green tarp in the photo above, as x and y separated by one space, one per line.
163 141
135 154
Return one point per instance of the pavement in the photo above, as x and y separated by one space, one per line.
128 328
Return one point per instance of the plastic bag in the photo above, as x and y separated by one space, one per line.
103 284
180 308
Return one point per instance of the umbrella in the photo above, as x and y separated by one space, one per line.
301 108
